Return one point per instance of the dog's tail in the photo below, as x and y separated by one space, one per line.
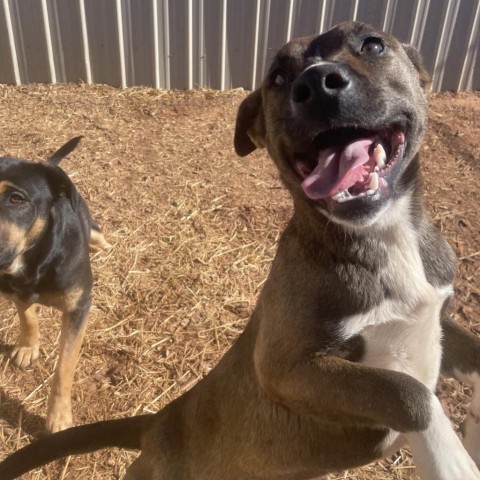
121 433
62 152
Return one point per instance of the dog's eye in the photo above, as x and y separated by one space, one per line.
16 198
373 46
278 79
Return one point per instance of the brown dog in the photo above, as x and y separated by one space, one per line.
338 364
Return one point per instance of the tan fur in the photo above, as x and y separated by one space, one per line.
59 413
26 349
97 241
4 184
66 301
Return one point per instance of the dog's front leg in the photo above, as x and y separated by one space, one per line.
461 359
331 387
26 349
59 414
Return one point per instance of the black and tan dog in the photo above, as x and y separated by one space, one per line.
45 232
338 364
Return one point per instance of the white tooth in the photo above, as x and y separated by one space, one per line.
380 155
347 196
370 192
373 185
337 196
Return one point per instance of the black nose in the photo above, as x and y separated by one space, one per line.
324 81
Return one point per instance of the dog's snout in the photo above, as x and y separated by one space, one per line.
326 80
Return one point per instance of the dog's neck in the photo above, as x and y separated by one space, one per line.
313 228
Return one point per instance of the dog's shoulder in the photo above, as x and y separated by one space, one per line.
437 255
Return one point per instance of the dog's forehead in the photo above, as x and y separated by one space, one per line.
22 173
345 36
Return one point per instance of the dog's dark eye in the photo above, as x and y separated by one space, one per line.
16 198
373 46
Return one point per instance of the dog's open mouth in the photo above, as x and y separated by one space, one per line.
351 163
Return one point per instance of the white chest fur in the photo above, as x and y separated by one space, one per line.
403 333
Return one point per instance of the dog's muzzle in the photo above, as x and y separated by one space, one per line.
352 157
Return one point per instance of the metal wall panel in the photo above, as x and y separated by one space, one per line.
340 10
30 40
372 12
67 41
240 41
7 71
103 41
469 72
212 42
457 47
402 19
434 23
139 46
307 17
215 43
277 31
177 21
161 44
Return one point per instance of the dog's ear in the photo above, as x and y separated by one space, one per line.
250 125
416 58
62 152
62 186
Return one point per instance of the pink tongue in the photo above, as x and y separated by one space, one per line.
337 169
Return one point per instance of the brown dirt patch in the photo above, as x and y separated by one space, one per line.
194 230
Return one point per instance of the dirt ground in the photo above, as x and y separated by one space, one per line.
194 230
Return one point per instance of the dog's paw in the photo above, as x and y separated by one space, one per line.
24 356
449 461
97 241
59 416
438 453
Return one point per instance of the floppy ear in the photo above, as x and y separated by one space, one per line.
416 58
250 125
62 152
62 186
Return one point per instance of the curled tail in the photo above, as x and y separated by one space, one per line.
121 433
63 151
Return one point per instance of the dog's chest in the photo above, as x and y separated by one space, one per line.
403 331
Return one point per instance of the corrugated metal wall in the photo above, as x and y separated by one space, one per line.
215 43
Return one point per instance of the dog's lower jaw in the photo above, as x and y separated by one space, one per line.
390 213
361 224
359 214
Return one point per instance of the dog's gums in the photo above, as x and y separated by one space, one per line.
354 168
